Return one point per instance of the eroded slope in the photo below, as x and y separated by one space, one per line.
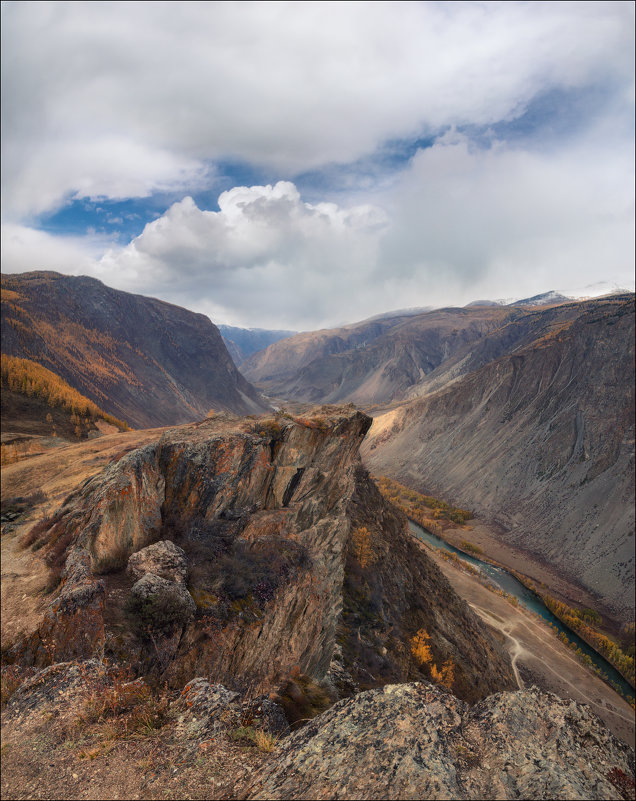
541 442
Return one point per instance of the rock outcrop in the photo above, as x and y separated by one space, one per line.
414 741
289 548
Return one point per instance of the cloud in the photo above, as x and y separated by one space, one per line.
473 149
461 223
25 249
505 221
265 255
125 99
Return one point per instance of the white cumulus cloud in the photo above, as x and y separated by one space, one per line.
264 253
122 98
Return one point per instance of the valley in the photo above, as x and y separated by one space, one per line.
538 656
256 550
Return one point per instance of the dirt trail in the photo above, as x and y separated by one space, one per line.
538 656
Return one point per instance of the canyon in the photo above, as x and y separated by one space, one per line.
249 579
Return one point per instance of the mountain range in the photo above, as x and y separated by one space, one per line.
523 413
237 577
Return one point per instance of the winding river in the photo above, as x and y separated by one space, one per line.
507 582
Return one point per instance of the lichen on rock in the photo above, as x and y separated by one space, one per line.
414 741
163 559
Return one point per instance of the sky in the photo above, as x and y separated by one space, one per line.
300 165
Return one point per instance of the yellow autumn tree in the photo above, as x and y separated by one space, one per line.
420 648
362 546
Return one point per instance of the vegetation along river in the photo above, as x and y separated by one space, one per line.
508 583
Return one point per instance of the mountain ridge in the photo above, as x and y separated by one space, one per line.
142 359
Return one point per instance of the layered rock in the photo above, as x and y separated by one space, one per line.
414 741
269 514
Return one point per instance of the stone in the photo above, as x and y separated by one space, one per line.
163 558
207 709
61 684
414 741
162 597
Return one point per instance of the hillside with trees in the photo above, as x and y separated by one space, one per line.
142 360
37 403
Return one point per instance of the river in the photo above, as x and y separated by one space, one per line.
507 582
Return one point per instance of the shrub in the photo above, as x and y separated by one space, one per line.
465 545
128 707
302 698
269 428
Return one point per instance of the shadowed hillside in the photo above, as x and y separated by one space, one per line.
140 359
539 439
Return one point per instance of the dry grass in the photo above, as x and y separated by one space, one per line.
265 741
125 709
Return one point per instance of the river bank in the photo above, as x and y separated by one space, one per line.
537 654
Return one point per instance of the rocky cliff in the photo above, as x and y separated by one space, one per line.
249 551
144 361
415 741
537 436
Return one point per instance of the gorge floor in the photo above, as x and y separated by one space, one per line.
538 655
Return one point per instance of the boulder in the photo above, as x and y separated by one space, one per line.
161 604
163 559
411 741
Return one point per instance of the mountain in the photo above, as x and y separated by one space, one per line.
370 362
544 299
242 342
597 290
145 361
534 430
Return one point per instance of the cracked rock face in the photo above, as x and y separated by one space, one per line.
73 625
414 741
265 515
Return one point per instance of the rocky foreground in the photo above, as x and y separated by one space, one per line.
237 613
404 741
417 741
249 550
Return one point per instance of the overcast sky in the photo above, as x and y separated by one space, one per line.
298 165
